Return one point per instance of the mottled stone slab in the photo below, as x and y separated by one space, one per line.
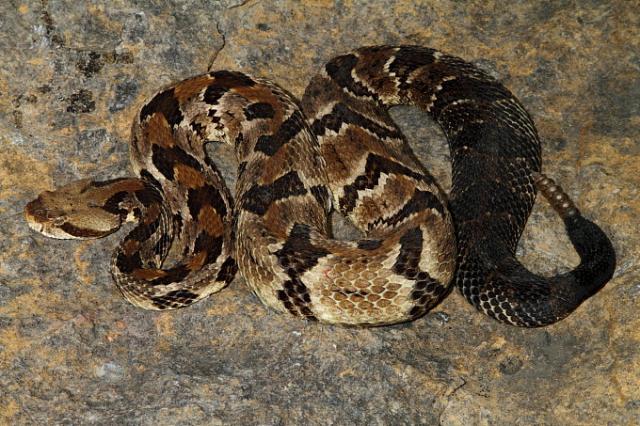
72 351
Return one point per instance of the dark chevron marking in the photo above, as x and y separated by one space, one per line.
166 104
298 255
369 244
407 60
376 165
205 195
224 81
259 110
321 194
127 264
410 250
175 274
149 195
199 130
212 245
420 201
270 144
213 93
339 69
142 232
150 180
166 158
342 114
231 79
426 291
259 197
464 87
228 270
295 298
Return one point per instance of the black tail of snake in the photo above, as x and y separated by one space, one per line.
339 149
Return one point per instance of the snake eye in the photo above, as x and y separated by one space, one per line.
59 220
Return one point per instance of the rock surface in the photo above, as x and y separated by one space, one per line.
72 351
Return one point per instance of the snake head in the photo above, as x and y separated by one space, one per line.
74 211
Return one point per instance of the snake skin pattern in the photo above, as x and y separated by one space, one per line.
339 149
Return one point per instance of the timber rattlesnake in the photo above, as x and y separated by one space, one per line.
340 149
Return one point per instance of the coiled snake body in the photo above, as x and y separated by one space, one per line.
340 150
